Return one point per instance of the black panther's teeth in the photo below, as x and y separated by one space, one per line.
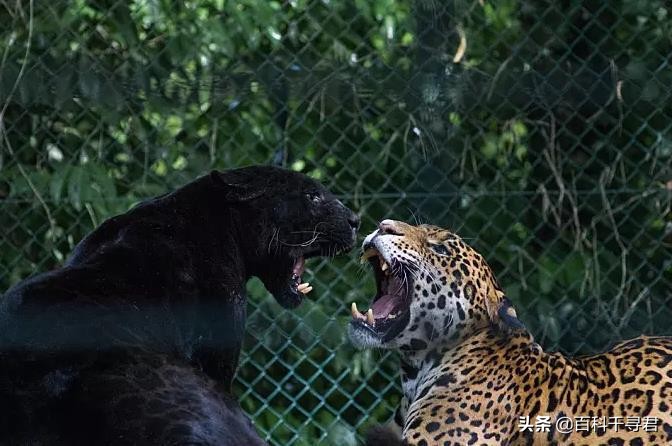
304 288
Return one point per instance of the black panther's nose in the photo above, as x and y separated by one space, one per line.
354 220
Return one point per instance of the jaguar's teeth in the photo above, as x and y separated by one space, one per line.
391 316
370 319
384 266
370 252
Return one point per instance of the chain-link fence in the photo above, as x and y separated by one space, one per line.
540 131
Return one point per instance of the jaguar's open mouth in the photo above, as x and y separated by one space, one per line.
389 311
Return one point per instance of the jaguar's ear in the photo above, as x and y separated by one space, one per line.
507 316
240 185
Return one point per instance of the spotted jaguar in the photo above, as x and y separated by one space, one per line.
471 373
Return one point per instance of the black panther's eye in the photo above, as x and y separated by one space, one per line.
315 197
439 249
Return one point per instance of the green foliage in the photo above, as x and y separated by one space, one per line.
548 145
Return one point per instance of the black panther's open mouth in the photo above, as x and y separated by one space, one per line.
297 287
295 281
389 311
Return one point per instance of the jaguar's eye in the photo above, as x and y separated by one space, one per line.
439 249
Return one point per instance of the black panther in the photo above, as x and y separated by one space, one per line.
136 339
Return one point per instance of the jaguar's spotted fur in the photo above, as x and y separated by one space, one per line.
470 369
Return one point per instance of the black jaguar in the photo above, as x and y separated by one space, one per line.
135 340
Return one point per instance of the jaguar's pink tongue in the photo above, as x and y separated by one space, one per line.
384 306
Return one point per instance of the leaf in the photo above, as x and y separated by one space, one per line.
89 84
64 90
547 274
57 182
75 187
125 24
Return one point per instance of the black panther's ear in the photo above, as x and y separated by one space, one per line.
240 184
500 309
507 315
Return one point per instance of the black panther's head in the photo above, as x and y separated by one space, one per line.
287 217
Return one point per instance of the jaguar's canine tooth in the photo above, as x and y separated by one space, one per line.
384 266
370 252
353 310
302 287
370 319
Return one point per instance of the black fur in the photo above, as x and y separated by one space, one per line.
508 317
136 339
380 435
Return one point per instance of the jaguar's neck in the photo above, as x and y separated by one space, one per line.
448 361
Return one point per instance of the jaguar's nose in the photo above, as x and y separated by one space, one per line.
389 227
